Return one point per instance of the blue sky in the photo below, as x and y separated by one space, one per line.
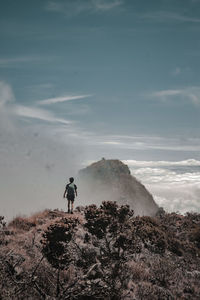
80 80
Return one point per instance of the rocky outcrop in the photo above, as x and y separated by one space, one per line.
111 180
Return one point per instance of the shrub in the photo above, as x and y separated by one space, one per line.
175 246
2 230
55 241
195 236
151 234
148 291
110 226
22 224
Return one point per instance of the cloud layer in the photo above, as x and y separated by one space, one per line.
174 185
184 163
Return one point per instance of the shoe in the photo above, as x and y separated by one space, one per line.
71 212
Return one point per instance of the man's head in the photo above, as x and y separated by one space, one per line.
71 179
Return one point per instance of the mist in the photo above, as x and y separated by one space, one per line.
34 171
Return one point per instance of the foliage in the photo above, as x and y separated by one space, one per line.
55 242
22 223
2 229
109 254
195 236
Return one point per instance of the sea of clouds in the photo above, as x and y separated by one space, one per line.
175 186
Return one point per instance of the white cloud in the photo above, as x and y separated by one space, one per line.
6 94
183 163
8 111
168 16
75 7
35 113
174 185
149 142
21 59
176 71
61 99
166 93
191 94
110 143
106 5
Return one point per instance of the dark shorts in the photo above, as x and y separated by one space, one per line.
70 198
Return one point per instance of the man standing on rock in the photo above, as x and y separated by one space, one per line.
70 193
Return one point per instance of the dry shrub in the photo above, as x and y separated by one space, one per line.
41 218
55 242
109 255
22 224
147 291
2 230
138 271
162 270
150 232
195 235
175 246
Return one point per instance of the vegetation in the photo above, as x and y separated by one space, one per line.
100 253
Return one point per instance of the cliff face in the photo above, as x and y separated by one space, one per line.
112 180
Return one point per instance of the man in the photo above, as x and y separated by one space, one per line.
71 192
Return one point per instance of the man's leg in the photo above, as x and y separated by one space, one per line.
72 206
68 205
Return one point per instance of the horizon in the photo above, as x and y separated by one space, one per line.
81 80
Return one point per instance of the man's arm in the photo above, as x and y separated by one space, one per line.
65 192
75 187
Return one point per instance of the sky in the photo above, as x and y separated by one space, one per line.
86 79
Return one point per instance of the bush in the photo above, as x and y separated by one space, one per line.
148 291
55 241
195 236
151 234
22 224
2 230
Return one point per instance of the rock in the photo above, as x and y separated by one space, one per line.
111 180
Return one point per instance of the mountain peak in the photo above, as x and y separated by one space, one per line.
111 179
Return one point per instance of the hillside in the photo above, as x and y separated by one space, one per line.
112 180
100 253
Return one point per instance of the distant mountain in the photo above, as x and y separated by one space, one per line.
111 180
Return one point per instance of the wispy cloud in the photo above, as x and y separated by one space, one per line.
176 71
21 59
7 97
61 99
6 94
106 4
144 143
168 16
166 93
191 94
75 7
35 113
183 163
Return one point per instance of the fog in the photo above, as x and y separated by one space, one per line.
34 171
